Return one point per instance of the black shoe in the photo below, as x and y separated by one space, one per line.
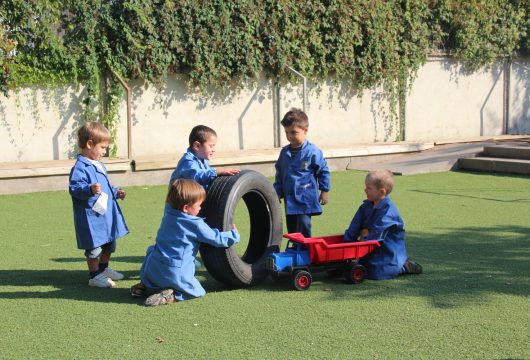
412 267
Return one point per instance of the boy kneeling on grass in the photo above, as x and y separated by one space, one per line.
169 264
378 219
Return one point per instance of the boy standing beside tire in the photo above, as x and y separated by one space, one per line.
195 163
301 171
98 218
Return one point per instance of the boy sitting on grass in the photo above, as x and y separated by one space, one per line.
378 219
169 264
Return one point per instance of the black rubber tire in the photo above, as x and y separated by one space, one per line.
355 274
302 280
224 264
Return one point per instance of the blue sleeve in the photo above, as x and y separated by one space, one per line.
352 233
79 186
189 169
215 237
321 171
278 186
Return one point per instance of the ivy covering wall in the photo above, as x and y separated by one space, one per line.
225 43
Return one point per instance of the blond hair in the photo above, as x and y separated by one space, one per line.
382 179
184 192
92 131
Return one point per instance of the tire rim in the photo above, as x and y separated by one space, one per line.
303 281
358 275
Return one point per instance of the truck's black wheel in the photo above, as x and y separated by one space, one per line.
355 274
302 280
224 264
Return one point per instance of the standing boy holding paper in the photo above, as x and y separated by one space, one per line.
97 216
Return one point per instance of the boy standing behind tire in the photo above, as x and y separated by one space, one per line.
195 163
301 171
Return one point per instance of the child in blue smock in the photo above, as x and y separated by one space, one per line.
168 264
195 163
98 218
378 219
301 171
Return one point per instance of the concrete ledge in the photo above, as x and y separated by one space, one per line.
483 138
161 162
495 165
53 168
155 170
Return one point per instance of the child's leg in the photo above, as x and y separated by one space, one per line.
104 259
299 223
97 278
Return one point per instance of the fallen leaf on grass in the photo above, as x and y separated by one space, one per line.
160 339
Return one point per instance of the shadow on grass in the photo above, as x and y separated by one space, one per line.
463 266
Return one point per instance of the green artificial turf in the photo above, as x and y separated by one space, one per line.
469 231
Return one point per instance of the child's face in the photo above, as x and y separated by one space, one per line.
372 193
295 135
95 151
193 209
206 149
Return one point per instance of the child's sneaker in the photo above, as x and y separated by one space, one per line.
102 281
412 267
138 290
113 274
164 297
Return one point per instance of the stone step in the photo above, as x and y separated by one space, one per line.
507 151
496 165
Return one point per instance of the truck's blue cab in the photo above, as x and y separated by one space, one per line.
295 255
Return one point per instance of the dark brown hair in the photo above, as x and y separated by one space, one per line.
184 192
201 133
295 117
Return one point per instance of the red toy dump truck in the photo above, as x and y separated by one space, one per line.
304 256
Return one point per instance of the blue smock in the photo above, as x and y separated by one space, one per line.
296 179
191 167
383 223
170 262
92 229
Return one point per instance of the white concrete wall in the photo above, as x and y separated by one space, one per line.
445 103
519 113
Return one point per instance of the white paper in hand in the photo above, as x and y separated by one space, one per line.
100 206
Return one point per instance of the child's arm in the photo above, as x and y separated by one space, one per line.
79 187
217 238
278 186
224 171
323 176
191 170
352 233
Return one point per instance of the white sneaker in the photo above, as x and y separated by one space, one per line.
113 274
101 280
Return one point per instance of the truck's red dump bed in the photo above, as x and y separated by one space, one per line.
327 249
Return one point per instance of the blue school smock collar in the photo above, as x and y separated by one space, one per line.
381 204
202 161
304 145
87 162
180 213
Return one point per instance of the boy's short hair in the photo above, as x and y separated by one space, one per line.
295 117
381 178
184 192
92 131
201 133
